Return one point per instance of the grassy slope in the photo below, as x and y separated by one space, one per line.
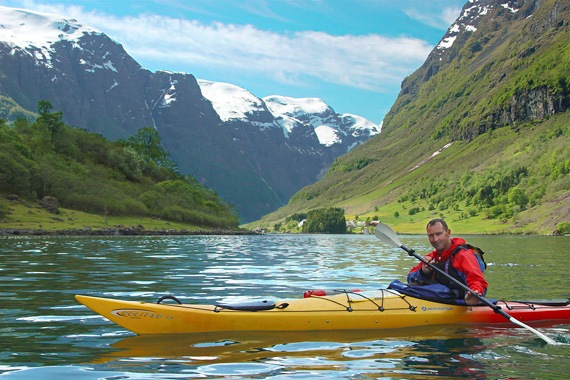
379 186
27 216
500 148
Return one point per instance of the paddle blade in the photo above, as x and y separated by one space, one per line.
387 235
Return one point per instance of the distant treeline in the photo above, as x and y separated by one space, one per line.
328 220
87 172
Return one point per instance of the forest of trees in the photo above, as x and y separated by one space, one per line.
326 220
497 193
87 172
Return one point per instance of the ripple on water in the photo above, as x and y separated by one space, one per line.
237 369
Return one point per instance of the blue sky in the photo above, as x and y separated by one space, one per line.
353 54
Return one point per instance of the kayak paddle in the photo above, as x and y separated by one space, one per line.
387 235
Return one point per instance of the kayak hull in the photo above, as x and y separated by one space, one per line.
384 309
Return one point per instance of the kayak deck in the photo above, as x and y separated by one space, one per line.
382 309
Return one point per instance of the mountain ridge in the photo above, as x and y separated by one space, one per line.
93 81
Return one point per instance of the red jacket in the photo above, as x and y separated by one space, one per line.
465 263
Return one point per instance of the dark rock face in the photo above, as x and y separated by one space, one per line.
99 87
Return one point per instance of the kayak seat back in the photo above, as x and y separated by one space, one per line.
248 306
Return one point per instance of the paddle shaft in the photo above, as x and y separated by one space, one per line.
496 308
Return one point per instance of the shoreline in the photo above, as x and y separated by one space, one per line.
120 231
136 231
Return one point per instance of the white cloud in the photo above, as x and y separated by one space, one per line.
370 62
436 17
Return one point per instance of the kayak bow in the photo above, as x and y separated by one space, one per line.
378 309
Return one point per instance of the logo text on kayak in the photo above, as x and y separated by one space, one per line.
139 313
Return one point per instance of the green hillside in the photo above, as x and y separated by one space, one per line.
83 179
479 136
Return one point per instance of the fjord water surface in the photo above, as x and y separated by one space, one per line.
46 334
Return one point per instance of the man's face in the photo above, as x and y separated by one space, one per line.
439 237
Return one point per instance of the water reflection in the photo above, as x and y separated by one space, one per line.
420 351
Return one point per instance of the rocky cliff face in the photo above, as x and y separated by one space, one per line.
534 104
92 81
505 46
253 156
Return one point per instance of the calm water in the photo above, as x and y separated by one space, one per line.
46 334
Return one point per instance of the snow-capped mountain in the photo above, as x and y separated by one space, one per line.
232 102
255 153
330 127
47 30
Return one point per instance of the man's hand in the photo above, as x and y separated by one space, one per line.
426 269
472 300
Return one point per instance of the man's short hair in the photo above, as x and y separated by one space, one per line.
435 221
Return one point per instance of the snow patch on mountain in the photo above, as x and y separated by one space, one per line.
293 112
284 105
509 7
169 95
328 135
466 22
90 67
36 32
360 126
231 102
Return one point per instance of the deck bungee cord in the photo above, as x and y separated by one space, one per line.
370 298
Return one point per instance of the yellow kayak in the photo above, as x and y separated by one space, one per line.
378 309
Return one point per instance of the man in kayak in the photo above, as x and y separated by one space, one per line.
456 258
